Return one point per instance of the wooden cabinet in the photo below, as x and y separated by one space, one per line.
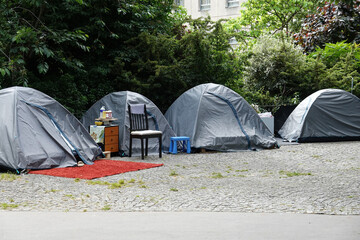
111 138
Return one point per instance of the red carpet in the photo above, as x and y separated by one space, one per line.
100 168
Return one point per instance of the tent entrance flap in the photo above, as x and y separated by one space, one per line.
63 137
236 116
75 151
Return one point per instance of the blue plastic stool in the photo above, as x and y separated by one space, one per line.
183 140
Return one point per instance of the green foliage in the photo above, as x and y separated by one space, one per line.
276 67
67 48
78 51
342 61
264 16
30 44
165 65
334 52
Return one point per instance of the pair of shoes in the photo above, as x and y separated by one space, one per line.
80 163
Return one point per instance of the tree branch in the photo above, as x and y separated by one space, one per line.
34 16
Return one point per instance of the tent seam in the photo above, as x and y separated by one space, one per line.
197 113
57 125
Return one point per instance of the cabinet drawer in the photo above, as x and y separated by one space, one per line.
111 140
111 131
112 147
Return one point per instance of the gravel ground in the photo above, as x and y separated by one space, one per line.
321 178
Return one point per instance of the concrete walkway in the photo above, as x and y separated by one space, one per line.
176 225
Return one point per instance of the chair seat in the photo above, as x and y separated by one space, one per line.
146 132
139 128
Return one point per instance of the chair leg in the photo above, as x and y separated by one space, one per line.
146 146
188 149
174 149
171 147
142 148
130 147
160 146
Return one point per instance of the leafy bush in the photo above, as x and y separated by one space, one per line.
166 65
342 61
334 52
275 66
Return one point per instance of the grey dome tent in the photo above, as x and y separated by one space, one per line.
326 115
217 118
37 132
117 102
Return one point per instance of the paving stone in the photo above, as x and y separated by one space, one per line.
321 178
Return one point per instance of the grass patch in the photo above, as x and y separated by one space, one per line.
173 173
121 183
217 175
69 196
240 175
6 206
174 190
106 208
132 181
293 174
91 182
52 191
8 177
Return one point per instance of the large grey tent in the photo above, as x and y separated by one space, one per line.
326 115
37 132
217 118
117 102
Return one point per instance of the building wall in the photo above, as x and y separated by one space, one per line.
218 9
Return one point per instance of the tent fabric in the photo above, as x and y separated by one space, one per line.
118 102
217 118
36 132
326 115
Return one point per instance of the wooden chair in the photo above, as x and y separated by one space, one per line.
139 128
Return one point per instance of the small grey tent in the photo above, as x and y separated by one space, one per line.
217 118
37 132
117 102
326 115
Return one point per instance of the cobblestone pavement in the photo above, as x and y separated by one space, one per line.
321 178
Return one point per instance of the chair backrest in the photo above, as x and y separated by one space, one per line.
138 117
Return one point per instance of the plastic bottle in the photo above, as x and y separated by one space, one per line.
102 112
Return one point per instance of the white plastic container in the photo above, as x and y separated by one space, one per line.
102 112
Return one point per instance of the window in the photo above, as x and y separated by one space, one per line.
204 5
179 2
233 41
233 3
